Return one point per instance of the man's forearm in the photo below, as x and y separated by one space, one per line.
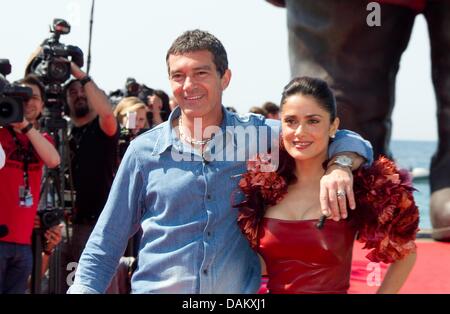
101 105
357 160
347 142
98 100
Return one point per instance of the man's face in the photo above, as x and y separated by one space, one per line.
196 84
33 107
77 101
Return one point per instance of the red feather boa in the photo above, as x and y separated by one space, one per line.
387 217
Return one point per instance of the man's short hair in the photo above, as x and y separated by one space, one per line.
196 40
258 110
67 85
32 79
271 107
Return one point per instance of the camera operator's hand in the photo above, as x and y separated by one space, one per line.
53 237
97 101
20 125
44 148
76 71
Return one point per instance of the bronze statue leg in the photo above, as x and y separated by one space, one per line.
437 14
331 40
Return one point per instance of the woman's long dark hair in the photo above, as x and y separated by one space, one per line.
314 87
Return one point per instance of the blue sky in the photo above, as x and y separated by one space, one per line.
130 38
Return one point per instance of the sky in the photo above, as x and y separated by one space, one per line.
131 38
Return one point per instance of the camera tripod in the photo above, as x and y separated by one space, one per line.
53 200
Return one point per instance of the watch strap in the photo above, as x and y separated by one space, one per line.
85 80
26 129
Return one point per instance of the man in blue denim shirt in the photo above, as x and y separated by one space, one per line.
179 187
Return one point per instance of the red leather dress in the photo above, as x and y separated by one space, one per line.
300 258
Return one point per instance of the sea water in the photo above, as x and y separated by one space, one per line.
416 154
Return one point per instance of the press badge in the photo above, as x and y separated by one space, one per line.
25 197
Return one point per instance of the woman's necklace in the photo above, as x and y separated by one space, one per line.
189 139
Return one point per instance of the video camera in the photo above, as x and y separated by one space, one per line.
50 217
52 66
12 96
132 89
145 92
48 65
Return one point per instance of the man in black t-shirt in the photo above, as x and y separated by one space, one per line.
93 143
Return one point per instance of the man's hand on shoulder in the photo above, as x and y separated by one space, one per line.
336 186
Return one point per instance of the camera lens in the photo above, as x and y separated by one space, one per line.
10 110
59 71
6 108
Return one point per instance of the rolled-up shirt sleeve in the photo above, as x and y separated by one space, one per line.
349 141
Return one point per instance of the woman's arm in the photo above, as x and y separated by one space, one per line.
397 274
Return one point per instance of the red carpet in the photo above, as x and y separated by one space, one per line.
431 273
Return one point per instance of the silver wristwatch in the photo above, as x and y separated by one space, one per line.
343 161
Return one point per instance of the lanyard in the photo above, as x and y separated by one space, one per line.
26 156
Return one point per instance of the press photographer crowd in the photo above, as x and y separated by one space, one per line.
61 141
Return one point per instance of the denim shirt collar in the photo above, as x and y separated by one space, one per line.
168 136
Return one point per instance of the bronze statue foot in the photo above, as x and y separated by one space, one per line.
440 214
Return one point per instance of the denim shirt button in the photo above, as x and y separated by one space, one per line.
205 271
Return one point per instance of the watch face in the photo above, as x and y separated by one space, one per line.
344 160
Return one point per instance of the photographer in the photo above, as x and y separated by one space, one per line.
93 144
131 114
27 150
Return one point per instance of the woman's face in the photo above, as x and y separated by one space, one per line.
306 127
141 119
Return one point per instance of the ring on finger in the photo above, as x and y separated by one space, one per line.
340 194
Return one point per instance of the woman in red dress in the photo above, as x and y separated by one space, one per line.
281 216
